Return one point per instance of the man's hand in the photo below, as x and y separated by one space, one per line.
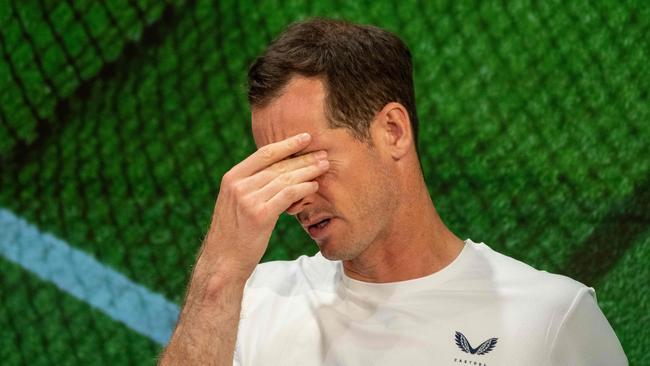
253 194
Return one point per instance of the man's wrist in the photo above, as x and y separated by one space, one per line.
213 278
226 277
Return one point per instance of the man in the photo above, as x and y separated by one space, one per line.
333 115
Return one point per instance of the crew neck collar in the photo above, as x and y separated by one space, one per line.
427 282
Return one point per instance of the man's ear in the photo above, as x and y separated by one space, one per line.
392 129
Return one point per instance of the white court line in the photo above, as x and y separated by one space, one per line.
85 278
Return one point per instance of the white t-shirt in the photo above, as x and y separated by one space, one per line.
484 309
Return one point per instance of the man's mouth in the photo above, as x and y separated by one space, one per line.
320 224
319 229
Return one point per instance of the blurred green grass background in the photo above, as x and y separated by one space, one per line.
118 119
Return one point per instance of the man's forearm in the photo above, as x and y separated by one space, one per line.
207 328
252 196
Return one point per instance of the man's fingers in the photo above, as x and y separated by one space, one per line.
291 178
286 197
262 178
270 154
286 165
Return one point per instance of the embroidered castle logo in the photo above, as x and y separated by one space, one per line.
483 348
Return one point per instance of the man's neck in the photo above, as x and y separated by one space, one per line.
417 244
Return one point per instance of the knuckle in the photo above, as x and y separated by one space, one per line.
309 158
285 179
227 179
266 152
238 190
280 168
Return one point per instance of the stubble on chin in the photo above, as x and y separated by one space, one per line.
342 249
333 250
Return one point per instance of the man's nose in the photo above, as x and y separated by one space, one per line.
299 206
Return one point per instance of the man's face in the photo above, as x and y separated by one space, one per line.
356 190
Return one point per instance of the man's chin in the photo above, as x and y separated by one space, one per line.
330 251
330 255
326 250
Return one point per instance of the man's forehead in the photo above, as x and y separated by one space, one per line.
277 130
300 108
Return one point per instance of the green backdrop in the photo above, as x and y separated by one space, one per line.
118 119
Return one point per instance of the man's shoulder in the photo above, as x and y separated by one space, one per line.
281 281
513 275
292 275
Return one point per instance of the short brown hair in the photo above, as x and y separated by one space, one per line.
363 68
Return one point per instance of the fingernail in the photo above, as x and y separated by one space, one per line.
304 137
321 154
324 163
